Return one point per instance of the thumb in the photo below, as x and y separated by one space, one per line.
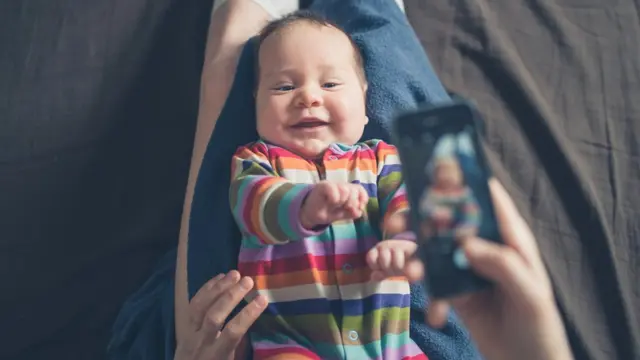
501 264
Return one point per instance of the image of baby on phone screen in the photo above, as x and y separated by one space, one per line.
448 207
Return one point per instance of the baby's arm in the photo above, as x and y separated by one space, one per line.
264 204
389 256
392 195
328 202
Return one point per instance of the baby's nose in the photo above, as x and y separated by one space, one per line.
310 98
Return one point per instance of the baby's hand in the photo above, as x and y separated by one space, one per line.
328 202
389 258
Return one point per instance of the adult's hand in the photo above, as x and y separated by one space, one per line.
209 337
517 318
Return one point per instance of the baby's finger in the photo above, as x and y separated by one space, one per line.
414 270
437 313
355 212
353 201
372 259
332 193
397 260
378 275
363 196
384 258
345 193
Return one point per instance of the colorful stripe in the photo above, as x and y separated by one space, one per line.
318 282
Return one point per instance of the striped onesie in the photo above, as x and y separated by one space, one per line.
322 304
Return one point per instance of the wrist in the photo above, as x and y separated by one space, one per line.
553 343
306 223
557 344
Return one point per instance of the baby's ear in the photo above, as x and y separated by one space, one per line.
366 119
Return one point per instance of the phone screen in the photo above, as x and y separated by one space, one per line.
446 175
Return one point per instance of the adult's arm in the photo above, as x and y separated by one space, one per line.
231 26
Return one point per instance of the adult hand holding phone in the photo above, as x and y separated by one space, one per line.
517 318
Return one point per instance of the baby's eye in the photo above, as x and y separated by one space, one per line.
330 85
283 88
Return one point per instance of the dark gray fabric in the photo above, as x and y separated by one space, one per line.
559 83
97 98
98 104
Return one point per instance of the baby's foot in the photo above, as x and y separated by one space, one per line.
389 258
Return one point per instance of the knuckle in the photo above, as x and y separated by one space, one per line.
509 259
233 332
220 287
229 297
195 306
215 321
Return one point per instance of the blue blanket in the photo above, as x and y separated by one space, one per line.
400 77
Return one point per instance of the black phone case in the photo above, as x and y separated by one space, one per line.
432 143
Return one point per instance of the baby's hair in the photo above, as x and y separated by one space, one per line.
309 17
438 161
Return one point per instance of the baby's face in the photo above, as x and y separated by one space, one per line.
448 174
310 93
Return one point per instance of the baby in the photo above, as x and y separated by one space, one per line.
449 207
311 202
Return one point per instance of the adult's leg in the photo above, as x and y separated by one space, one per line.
145 326
232 24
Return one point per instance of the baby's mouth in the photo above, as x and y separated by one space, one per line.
310 123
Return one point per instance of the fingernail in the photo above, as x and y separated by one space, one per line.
260 300
233 276
245 283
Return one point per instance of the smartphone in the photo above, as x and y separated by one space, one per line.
446 175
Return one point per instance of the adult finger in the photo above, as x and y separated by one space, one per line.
500 264
207 295
236 328
222 307
514 230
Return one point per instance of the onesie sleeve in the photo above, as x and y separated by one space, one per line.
264 204
392 195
